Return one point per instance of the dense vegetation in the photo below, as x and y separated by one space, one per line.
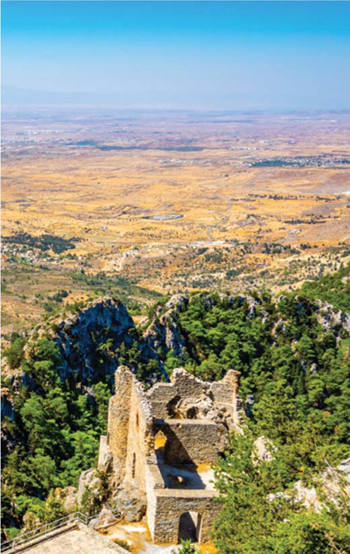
274 163
43 242
295 385
261 514
295 381
56 431
294 369
102 284
333 288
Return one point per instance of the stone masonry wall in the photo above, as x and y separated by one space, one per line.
171 504
118 421
140 440
182 385
154 481
160 395
164 396
193 441
225 395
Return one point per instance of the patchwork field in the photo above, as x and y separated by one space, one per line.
166 202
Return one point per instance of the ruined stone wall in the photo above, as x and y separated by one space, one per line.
225 395
184 387
130 439
160 395
181 386
140 439
118 421
194 416
192 440
170 504
154 481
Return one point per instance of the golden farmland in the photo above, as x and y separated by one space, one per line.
172 201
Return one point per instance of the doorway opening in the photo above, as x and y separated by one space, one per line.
189 527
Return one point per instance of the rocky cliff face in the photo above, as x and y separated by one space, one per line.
163 331
7 411
89 341
333 321
93 341
7 404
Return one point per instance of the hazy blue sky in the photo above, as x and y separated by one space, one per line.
216 55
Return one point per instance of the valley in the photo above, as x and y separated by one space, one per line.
151 203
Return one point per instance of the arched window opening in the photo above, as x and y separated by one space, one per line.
174 408
192 413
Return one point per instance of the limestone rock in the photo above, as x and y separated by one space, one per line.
263 449
30 521
105 519
82 337
344 467
332 320
89 480
164 330
69 497
131 502
105 458
307 496
328 481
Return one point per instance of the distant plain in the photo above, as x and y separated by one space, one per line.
164 202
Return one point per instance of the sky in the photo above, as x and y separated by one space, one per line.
177 55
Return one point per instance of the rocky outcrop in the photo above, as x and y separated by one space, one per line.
263 450
88 340
130 502
7 405
68 495
105 519
332 320
163 331
333 483
90 343
89 482
8 442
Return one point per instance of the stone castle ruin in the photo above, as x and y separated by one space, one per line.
164 441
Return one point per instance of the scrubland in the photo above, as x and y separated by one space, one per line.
163 202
